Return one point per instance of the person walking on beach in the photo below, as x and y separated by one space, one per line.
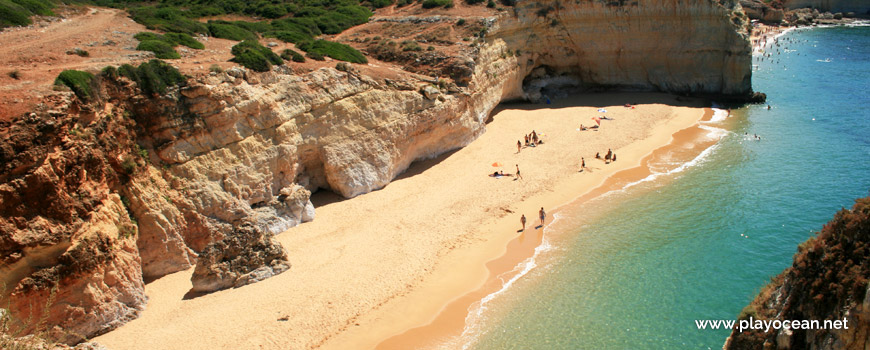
519 146
523 221
542 215
582 163
520 177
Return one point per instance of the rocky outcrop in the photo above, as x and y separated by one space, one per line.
67 243
827 281
245 256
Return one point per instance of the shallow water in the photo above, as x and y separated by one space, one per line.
634 269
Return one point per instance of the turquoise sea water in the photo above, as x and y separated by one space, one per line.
634 270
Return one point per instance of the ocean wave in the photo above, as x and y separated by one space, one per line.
696 161
474 319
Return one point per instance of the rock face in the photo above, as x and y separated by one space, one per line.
858 6
245 256
65 234
665 45
103 195
757 9
827 281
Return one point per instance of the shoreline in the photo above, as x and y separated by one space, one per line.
520 252
376 265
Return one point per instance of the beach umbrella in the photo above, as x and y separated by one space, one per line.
597 120
497 164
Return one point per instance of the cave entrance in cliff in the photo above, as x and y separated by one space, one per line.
545 83
325 196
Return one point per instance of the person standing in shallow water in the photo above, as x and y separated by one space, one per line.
542 215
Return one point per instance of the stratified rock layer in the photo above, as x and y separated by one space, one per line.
858 6
665 45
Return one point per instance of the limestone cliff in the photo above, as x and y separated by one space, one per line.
827 281
858 6
695 47
97 197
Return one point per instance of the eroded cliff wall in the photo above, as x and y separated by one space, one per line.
659 45
858 6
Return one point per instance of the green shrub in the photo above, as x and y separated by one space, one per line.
474 2
490 4
156 76
230 31
289 36
428 4
15 74
12 14
252 55
273 11
109 72
381 3
143 36
172 39
153 77
184 39
79 82
460 22
129 71
255 27
341 66
410 45
161 49
315 56
215 69
291 55
167 19
335 50
36 7
78 52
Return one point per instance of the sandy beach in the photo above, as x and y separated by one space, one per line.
374 267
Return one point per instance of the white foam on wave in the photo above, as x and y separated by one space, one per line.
697 160
719 114
474 319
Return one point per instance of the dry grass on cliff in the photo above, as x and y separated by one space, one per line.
828 276
13 334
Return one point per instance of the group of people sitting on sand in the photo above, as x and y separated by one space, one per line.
532 140
584 128
609 157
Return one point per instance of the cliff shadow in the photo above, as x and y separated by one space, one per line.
420 166
604 100
325 197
